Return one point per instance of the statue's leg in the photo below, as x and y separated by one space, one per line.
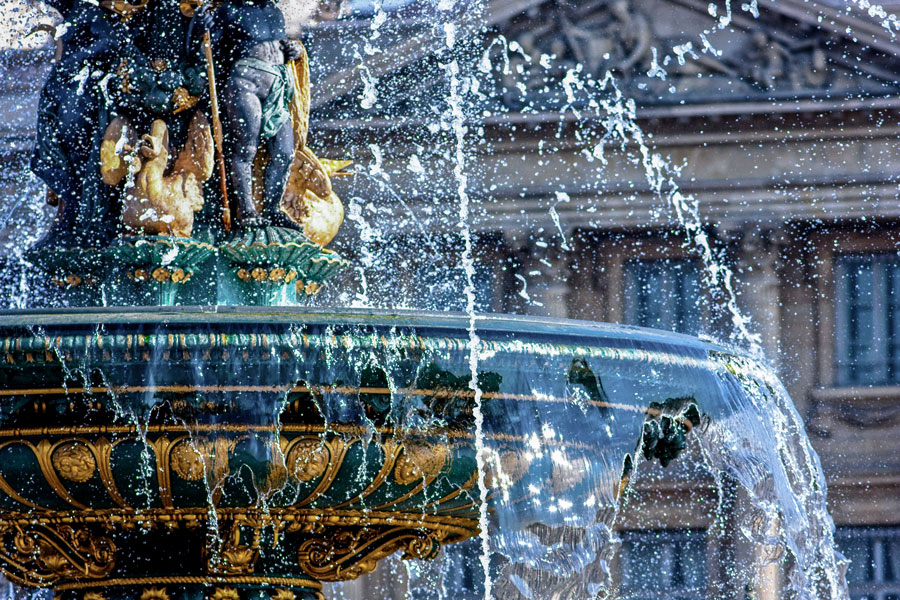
61 232
243 117
52 162
281 155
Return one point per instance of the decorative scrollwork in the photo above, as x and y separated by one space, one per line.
43 554
73 545
349 553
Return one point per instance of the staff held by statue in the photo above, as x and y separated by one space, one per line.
216 120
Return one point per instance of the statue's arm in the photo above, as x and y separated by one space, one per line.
215 21
292 49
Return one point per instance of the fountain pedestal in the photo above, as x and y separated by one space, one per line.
268 267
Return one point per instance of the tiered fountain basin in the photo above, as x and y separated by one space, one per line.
237 453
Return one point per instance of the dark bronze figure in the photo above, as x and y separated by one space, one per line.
252 49
71 121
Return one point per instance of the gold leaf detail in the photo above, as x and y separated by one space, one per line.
161 274
420 461
307 460
94 596
225 594
155 594
182 100
74 461
283 594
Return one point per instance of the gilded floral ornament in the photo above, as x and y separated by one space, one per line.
74 461
282 594
155 594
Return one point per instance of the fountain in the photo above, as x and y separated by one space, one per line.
177 425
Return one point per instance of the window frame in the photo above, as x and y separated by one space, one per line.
613 250
630 282
827 247
846 363
675 537
877 588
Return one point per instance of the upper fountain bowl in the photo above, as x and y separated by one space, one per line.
314 443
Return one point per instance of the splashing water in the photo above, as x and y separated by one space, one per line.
468 265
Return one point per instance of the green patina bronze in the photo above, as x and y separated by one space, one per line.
263 268
225 454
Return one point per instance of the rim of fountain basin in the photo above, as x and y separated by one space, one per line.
486 324
440 331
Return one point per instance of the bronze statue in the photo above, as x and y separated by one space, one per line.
71 116
257 62
133 91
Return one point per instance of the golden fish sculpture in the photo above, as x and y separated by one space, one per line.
158 201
